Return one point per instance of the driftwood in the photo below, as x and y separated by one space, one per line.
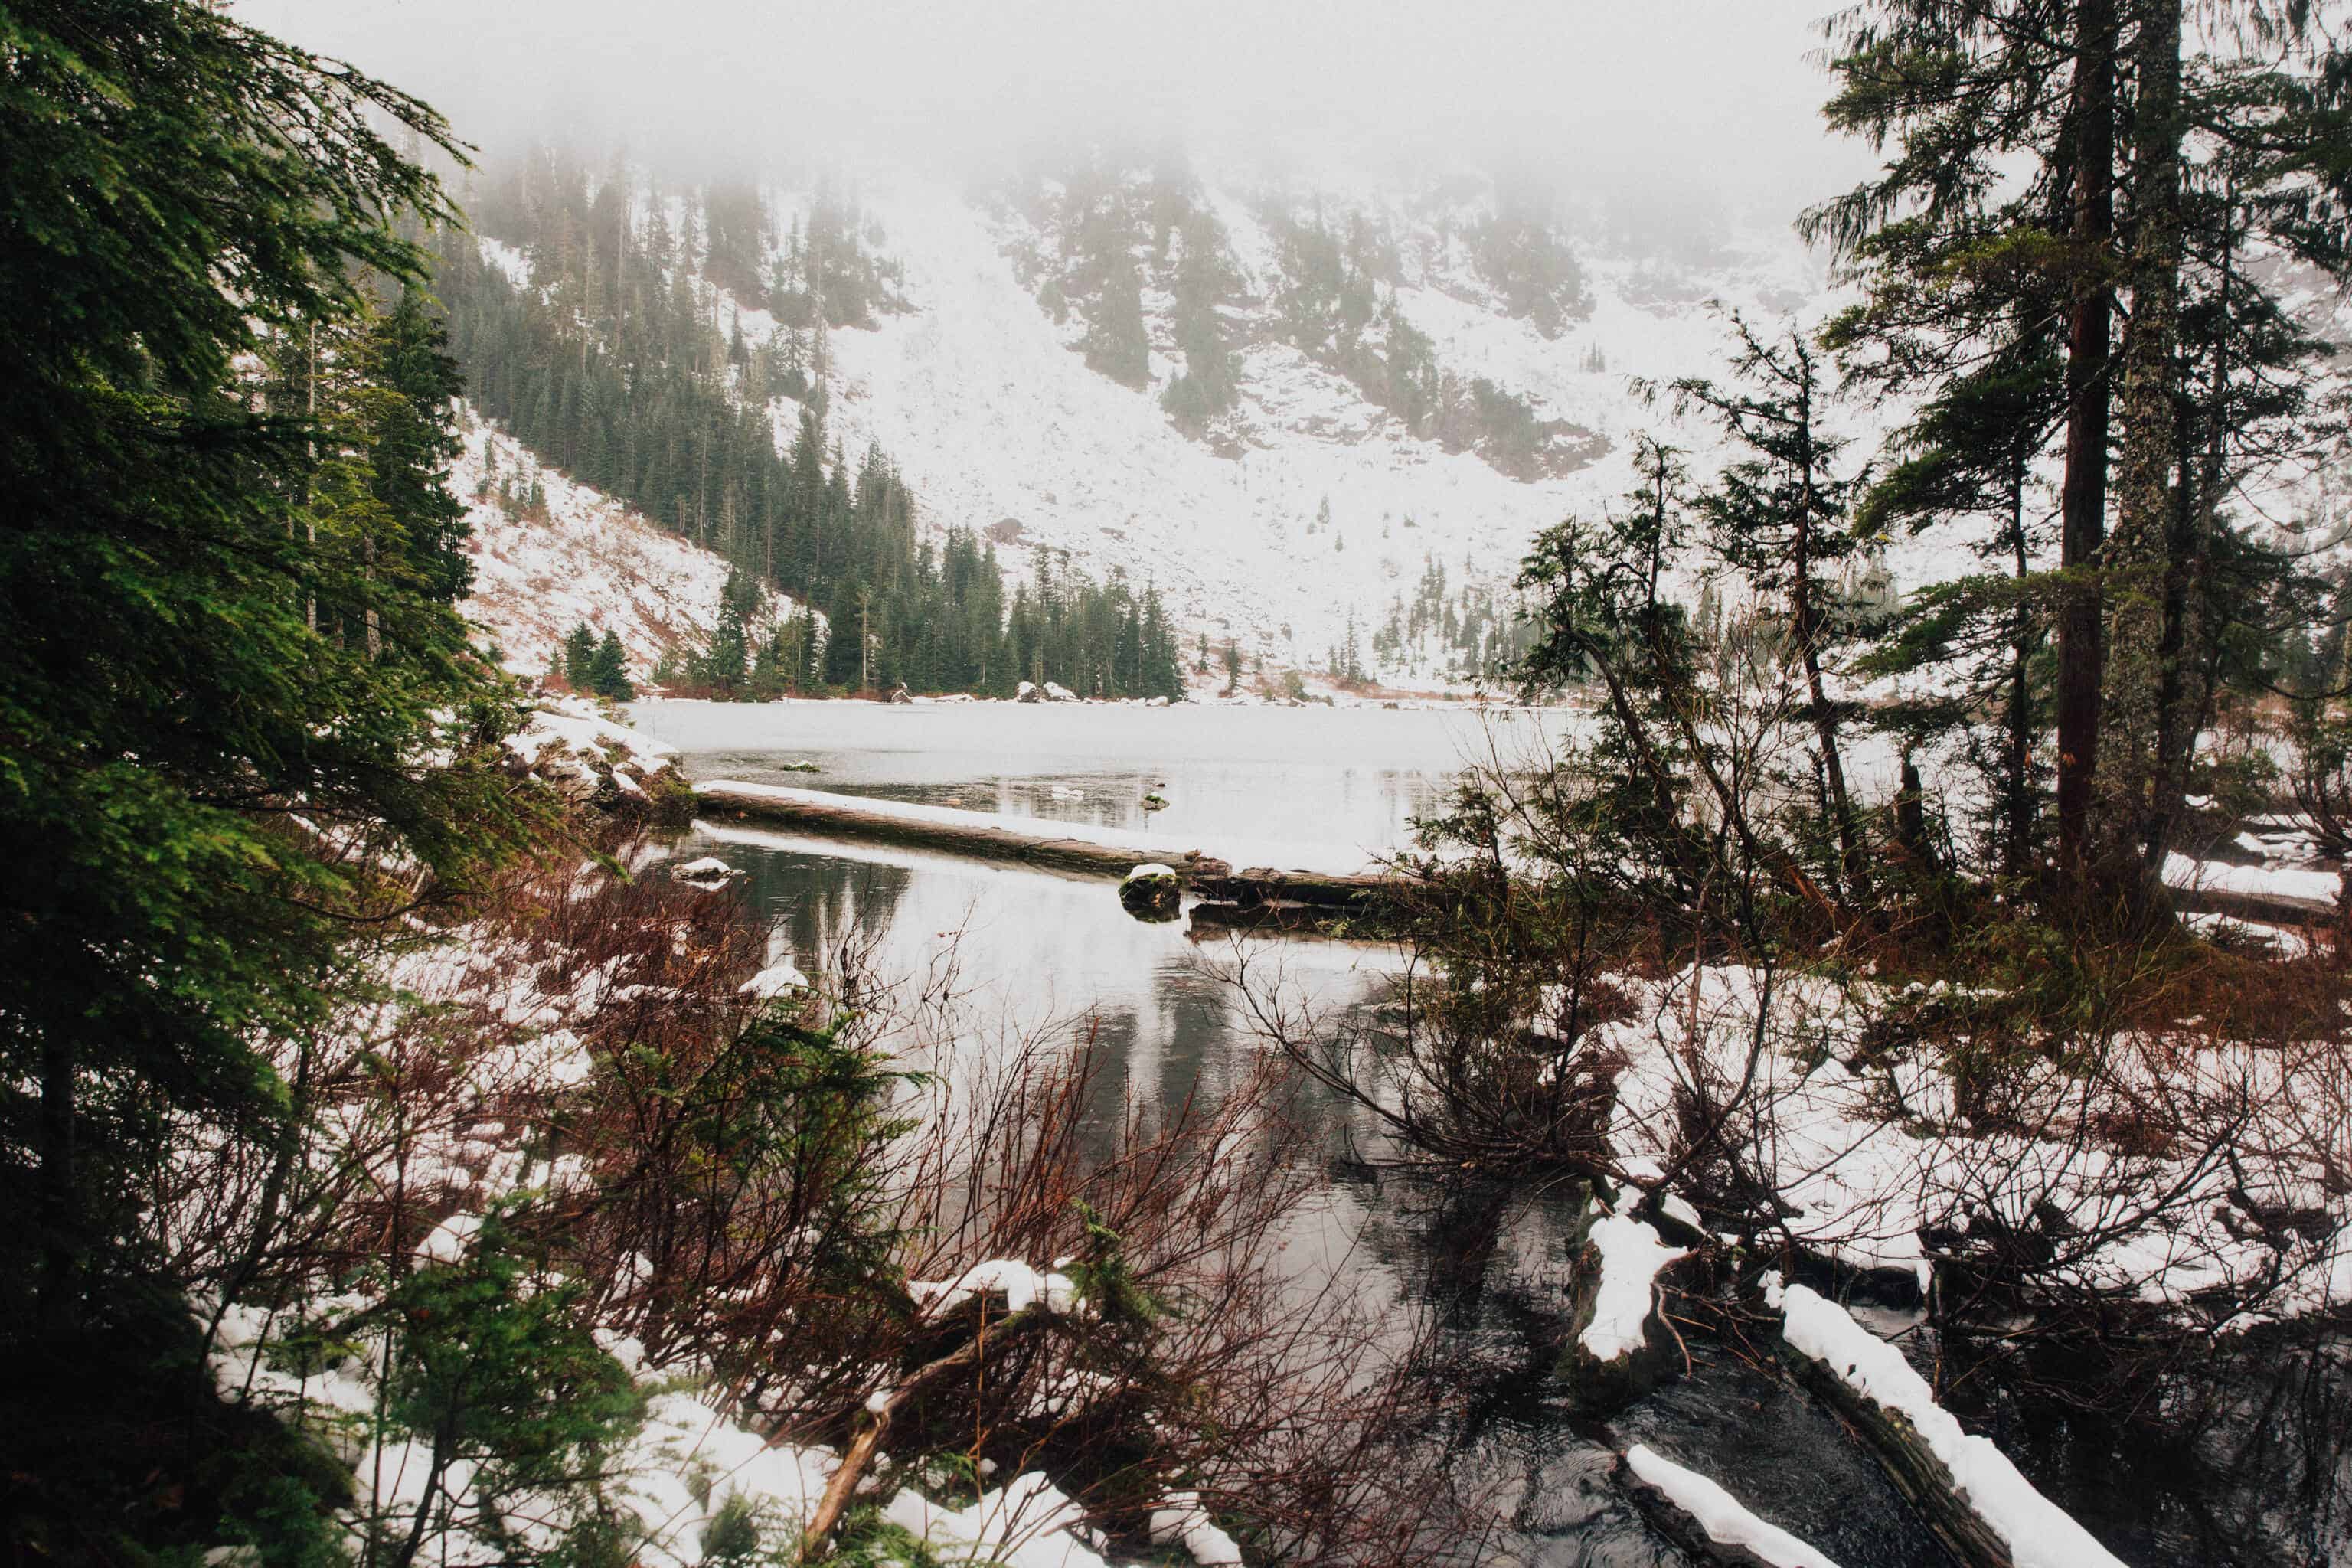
815 1542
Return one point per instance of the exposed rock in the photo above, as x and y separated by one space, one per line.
1057 692
1152 893
1155 801
902 694
1027 692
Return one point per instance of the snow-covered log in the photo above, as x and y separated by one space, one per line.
1709 1522
1965 1488
1621 1349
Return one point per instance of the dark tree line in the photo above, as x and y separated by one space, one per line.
615 364
2076 256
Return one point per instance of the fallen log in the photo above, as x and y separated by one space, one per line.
1966 1490
979 834
1265 885
2268 908
1705 1520
1033 842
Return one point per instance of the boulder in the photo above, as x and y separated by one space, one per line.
1152 893
902 694
1057 692
1027 692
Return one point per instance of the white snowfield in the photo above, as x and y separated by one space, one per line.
981 399
1726 1521
2040 1534
590 560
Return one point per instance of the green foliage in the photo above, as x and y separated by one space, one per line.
1107 1282
579 655
866 1540
1526 262
231 616
608 670
495 1366
732 1535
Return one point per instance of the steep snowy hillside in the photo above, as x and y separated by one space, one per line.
576 556
1007 420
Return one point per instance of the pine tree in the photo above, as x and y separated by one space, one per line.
186 198
580 657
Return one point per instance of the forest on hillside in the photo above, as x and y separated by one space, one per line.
622 361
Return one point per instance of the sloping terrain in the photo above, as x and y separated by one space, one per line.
577 556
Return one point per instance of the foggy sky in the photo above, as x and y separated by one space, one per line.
1710 99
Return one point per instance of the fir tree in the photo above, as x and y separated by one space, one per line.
579 657
191 681
608 671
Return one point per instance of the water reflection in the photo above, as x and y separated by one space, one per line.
2235 1460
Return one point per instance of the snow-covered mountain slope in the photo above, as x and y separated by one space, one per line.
586 557
991 409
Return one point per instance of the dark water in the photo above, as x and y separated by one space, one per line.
2247 1463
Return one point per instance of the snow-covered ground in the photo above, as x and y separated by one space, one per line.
1871 1150
979 396
591 559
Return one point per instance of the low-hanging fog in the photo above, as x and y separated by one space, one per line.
1695 104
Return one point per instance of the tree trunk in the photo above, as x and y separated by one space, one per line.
60 1239
2082 500
2187 695
2017 839
2143 551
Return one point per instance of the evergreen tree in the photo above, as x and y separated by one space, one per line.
608 671
191 683
579 657
2061 165
1116 343
1778 516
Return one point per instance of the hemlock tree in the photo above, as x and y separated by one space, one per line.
2102 167
192 687
1778 518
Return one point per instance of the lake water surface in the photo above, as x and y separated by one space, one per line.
1033 950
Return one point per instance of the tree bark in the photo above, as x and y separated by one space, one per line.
2148 545
2083 499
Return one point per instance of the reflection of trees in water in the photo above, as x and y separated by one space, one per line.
2237 1451
817 903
